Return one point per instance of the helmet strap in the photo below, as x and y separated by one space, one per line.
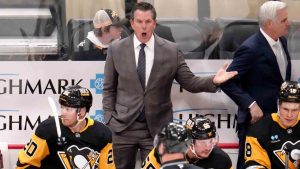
80 120
192 148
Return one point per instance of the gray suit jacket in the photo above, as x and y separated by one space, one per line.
123 95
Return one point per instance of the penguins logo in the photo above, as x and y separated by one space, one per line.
84 158
281 154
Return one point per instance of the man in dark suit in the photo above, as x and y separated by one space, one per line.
139 72
263 63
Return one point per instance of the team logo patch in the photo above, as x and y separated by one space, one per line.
275 138
79 158
281 154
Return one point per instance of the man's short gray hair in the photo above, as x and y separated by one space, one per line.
268 11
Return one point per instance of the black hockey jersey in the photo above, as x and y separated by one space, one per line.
266 140
217 159
152 160
91 148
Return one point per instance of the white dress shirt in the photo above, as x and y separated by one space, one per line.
149 52
279 53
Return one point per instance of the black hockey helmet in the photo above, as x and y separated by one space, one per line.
76 97
289 92
201 127
174 137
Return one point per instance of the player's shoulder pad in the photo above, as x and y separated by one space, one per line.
46 129
102 132
260 128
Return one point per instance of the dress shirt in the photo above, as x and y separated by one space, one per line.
149 52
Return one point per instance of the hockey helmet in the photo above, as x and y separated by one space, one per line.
174 137
289 92
201 127
76 97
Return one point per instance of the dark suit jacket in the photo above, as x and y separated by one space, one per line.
164 32
258 78
123 95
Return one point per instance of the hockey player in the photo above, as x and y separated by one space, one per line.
271 141
172 142
85 143
202 151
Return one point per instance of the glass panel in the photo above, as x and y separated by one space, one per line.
203 29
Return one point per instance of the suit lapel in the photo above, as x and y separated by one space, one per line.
131 62
268 52
158 60
288 58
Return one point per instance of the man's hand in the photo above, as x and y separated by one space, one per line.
222 76
256 113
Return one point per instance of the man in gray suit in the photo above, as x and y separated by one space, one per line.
139 72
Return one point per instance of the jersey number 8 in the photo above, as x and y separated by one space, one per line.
248 150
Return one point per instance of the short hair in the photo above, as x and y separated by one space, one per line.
268 11
143 6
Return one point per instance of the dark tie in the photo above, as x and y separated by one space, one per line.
141 68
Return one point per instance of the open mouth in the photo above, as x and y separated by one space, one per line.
144 34
289 120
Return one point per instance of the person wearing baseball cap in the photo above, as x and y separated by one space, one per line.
107 29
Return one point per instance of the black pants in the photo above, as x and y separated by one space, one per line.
242 132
